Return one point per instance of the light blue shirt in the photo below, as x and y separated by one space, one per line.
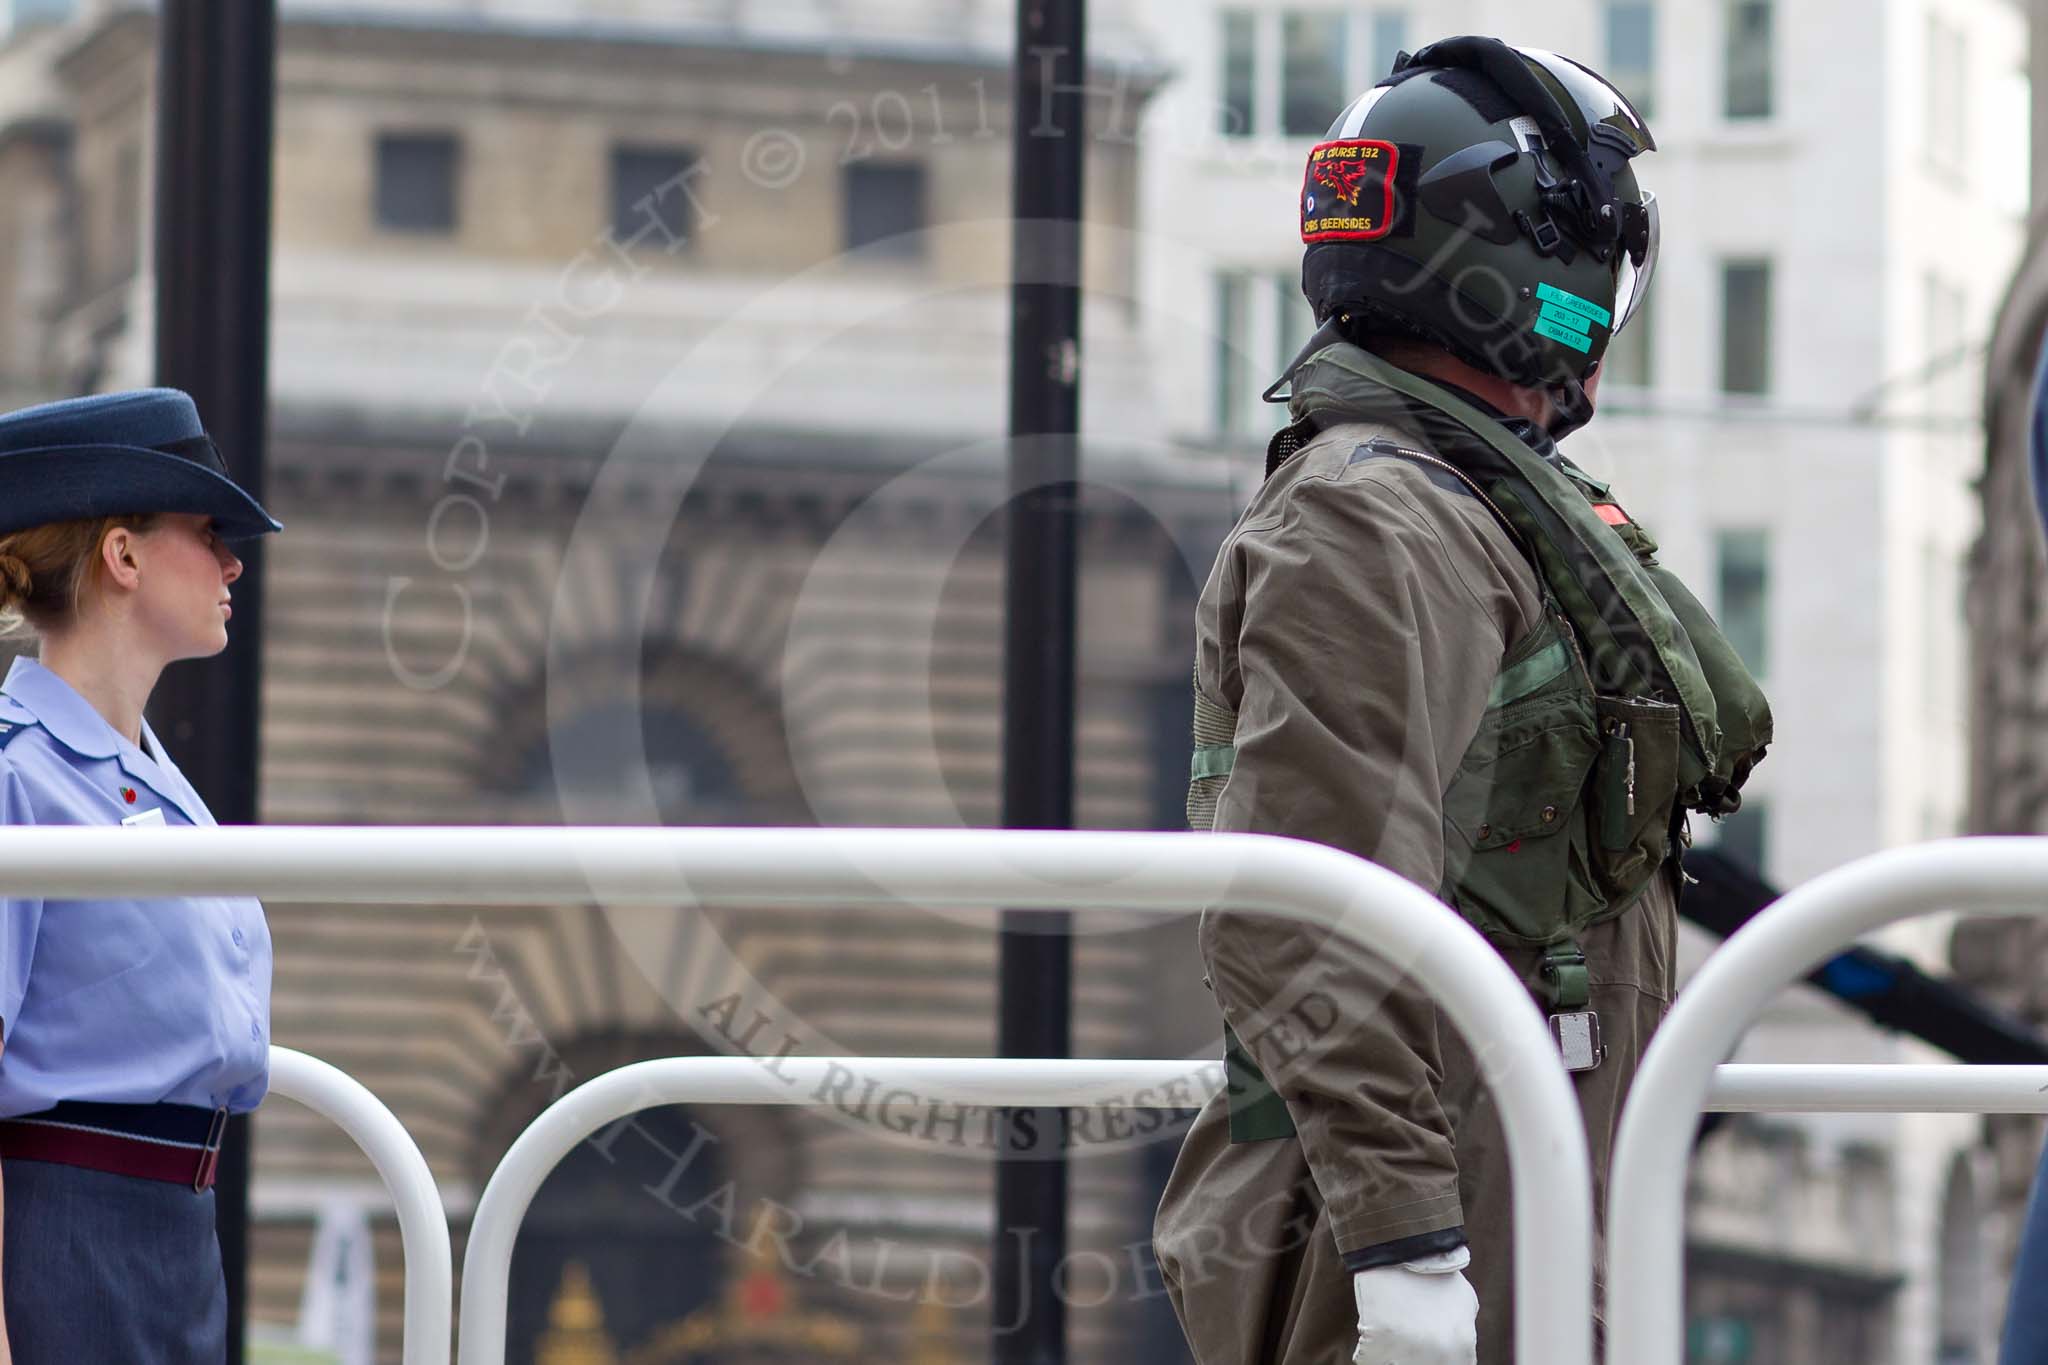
120 1002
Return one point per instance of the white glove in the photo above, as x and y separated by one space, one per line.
1420 1313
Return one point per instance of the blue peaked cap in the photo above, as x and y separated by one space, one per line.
119 454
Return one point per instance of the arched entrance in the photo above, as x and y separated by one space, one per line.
655 1241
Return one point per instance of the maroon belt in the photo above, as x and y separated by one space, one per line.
176 1143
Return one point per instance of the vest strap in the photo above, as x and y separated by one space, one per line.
1567 985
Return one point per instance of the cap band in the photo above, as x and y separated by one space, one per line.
200 450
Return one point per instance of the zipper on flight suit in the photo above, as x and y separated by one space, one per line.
1382 444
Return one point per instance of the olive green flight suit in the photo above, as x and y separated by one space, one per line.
1356 622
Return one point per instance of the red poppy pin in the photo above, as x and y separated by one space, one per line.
128 795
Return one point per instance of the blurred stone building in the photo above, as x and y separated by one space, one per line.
2008 614
638 386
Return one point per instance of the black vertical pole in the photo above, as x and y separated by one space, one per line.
216 80
1039 653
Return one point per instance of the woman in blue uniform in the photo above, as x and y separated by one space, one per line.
129 1030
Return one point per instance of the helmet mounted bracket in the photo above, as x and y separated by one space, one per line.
1585 188
1460 188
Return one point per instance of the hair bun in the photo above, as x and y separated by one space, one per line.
15 582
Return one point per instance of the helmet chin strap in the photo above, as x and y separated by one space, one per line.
1573 408
1327 334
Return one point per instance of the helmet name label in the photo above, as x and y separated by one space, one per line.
1570 302
1564 317
1564 336
1348 192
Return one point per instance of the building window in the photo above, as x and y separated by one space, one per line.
1233 355
648 186
22 13
1951 358
1948 77
1313 84
416 182
1321 59
1389 36
130 221
1294 321
1744 574
1720 1339
1240 73
1630 352
885 207
1747 92
1632 52
1745 836
1746 327
1962 1294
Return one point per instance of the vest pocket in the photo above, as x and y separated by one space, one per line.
1635 783
1517 858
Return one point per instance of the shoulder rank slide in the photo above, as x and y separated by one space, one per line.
14 718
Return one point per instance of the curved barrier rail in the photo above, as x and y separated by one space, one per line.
1146 874
603 1100
1645 1242
1009 1082
422 1221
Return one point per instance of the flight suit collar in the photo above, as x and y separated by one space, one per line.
72 722
1338 383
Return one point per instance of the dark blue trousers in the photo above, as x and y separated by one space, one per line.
2026 1311
109 1268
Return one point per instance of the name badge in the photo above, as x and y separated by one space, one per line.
145 817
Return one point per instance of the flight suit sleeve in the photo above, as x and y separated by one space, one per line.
1369 638
21 917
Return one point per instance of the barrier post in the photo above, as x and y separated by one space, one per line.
1646 1195
422 1219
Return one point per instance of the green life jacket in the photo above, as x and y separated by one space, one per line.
1623 708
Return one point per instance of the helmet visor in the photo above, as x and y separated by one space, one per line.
1643 237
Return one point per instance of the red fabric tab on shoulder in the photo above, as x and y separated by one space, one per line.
1611 514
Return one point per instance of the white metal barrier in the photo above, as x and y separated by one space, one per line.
998 1082
422 1220
1147 874
1646 1199
991 1081
1879 1089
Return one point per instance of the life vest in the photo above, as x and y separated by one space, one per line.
1621 710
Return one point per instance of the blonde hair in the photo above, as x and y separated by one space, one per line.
45 570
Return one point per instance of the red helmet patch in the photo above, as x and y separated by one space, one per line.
1348 193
